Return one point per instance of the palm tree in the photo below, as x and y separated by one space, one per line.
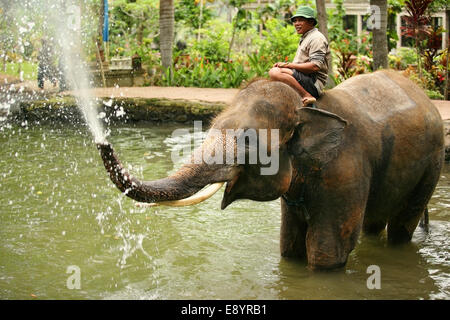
379 40
166 32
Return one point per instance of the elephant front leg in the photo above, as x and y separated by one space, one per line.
329 242
293 232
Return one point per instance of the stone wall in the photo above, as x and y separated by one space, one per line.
64 109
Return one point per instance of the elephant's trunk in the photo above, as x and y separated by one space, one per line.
184 183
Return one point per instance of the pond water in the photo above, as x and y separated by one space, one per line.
59 211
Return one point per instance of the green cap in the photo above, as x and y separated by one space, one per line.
305 12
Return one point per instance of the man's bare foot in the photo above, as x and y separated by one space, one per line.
308 100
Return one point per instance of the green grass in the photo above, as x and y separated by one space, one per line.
29 70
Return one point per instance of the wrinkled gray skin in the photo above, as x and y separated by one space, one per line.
369 157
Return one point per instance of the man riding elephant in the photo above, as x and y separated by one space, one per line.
308 73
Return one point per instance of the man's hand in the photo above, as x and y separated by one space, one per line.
281 65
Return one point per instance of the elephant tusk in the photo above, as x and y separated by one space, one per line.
200 196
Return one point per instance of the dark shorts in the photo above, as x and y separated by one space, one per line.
307 82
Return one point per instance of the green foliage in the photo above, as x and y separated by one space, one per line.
259 64
188 13
204 74
403 57
133 24
28 69
212 46
352 54
436 95
428 81
220 53
438 5
395 6
280 41
336 21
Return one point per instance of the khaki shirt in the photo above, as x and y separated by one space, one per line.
313 47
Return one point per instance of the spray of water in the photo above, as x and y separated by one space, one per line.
61 24
75 69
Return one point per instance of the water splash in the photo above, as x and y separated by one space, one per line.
4 111
60 24
76 72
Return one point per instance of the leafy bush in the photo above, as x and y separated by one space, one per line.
427 81
259 64
205 74
280 41
435 95
403 58
188 13
212 45
351 55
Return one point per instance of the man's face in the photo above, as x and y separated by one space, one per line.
302 25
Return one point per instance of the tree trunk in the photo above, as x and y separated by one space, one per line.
166 32
200 20
99 40
322 19
140 33
231 43
379 30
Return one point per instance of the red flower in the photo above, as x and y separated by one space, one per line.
286 58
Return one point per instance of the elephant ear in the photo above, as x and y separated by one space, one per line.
318 135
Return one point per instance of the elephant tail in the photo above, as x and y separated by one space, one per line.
424 221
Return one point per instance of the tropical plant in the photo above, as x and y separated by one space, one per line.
432 46
417 24
259 64
403 58
204 74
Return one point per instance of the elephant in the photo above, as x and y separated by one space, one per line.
366 157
